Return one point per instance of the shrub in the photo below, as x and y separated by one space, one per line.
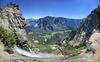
8 38
9 50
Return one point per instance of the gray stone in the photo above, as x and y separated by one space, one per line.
12 20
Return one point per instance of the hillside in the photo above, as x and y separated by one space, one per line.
50 23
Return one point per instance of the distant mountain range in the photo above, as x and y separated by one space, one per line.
50 23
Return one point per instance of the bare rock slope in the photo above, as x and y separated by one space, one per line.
12 20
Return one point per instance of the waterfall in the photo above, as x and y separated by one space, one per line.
26 53
37 55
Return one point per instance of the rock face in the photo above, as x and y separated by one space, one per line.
12 20
84 31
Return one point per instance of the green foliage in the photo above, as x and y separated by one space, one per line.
9 50
30 36
44 48
49 37
8 38
72 51
41 47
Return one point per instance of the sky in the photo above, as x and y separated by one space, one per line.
75 9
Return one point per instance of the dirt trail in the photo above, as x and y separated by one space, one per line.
4 56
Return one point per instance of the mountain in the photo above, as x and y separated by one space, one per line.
30 24
48 29
50 23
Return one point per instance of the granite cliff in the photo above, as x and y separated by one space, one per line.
12 20
87 27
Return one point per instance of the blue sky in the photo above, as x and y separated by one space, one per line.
59 8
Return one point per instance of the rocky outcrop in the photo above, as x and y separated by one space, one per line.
84 31
12 20
82 34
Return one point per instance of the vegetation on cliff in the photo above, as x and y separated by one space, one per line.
8 38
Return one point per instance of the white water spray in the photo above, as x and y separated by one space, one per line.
37 55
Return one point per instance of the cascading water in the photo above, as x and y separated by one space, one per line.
37 55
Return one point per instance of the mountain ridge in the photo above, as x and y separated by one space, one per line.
51 23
